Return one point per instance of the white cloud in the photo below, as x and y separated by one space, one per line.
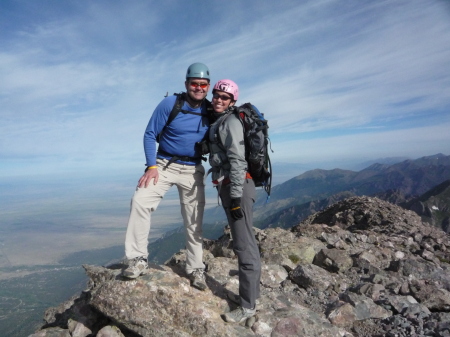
82 85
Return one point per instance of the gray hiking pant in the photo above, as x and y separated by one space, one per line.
244 244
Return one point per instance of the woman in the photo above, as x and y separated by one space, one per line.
237 192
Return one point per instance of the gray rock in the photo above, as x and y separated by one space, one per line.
78 329
371 290
343 316
365 307
400 303
110 331
333 260
288 250
161 303
312 276
431 296
218 265
273 275
300 322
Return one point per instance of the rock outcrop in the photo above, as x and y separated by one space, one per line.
361 267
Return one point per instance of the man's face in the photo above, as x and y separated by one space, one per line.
197 88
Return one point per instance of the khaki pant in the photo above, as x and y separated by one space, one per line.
191 189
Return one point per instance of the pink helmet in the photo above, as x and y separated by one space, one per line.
227 86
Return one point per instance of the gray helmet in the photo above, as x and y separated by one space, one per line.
198 70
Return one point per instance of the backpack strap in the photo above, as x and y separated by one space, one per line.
181 98
177 108
246 110
230 112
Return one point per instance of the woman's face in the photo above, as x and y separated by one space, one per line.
221 101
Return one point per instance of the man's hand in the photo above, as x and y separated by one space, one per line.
235 209
148 176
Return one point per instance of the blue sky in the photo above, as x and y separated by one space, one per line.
343 81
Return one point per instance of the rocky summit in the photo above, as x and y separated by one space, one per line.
361 267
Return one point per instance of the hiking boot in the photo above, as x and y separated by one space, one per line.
237 299
239 315
136 267
197 278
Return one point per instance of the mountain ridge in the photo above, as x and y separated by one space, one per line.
433 206
410 177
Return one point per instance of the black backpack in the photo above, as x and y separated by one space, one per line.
177 108
256 138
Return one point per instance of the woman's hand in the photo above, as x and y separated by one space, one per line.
235 209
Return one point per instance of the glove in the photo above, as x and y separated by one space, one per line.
235 209
202 147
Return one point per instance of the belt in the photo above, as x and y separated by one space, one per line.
174 158
227 180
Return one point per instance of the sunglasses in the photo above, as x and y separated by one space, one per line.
196 85
222 97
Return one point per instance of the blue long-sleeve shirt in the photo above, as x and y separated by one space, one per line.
179 136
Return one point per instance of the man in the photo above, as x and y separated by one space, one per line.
176 161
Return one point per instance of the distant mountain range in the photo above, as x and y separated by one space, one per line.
420 185
410 178
387 161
